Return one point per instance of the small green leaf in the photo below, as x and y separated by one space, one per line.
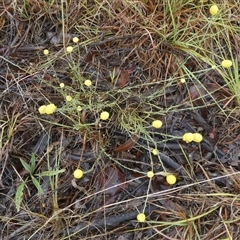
37 185
33 162
19 194
26 166
50 173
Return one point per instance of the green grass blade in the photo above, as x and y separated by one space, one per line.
18 196
37 185
33 162
26 166
50 173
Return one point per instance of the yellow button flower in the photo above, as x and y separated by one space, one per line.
182 80
51 108
79 108
78 173
155 152
197 137
157 124
68 98
141 217
226 63
69 49
47 109
171 179
62 85
75 39
188 137
213 10
45 52
42 109
150 174
88 82
104 115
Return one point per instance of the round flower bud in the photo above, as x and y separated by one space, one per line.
213 10
171 179
45 52
50 108
141 217
68 98
155 152
69 49
42 109
226 63
150 174
62 85
197 137
187 137
88 82
182 80
104 115
79 108
157 124
75 39
78 173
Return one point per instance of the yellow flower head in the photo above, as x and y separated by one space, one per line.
42 109
62 85
150 174
188 137
104 115
88 82
69 49
157 124
68 98
79 108
197 137
78 173
75 39
226 63
182 80
141 217
45 52
155 151
171 179
47 109
50 108
213 10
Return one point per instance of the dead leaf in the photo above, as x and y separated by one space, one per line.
208 91
128 144
124 77
113 180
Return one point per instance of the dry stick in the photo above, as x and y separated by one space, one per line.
112 221
19 230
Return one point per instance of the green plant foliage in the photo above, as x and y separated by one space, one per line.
31 168
19 194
